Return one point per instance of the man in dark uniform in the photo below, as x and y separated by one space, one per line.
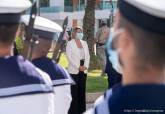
139 47
46 31
24 89
114 77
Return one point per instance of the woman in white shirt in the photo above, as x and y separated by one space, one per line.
78 56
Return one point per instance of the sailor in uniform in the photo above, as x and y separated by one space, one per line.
46 31
24 89
137 46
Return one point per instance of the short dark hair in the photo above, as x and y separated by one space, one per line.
150 46
8 32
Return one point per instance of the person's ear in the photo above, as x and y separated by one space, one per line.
124 41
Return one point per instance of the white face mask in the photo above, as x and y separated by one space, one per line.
79 36
114 53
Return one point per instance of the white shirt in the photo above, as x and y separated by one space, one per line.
28 104
62 99
82 54
74 57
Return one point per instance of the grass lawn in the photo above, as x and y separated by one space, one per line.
95 82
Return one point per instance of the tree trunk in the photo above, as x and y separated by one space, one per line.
89 23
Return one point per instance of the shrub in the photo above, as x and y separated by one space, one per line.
19 44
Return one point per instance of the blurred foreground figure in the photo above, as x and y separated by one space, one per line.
137 50
113 76
24 89
46 30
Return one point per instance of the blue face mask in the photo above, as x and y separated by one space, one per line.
79 36
113 53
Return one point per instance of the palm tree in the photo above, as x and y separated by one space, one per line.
88 27
89 23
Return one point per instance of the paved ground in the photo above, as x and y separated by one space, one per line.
90 98
89 105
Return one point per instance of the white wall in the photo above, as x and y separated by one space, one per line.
100 14
108 0
57 3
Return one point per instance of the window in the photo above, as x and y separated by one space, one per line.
82 2
44 3
68 5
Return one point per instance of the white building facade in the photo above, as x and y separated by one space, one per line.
57 10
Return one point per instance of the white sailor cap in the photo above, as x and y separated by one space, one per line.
43 27
147 14
10 10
